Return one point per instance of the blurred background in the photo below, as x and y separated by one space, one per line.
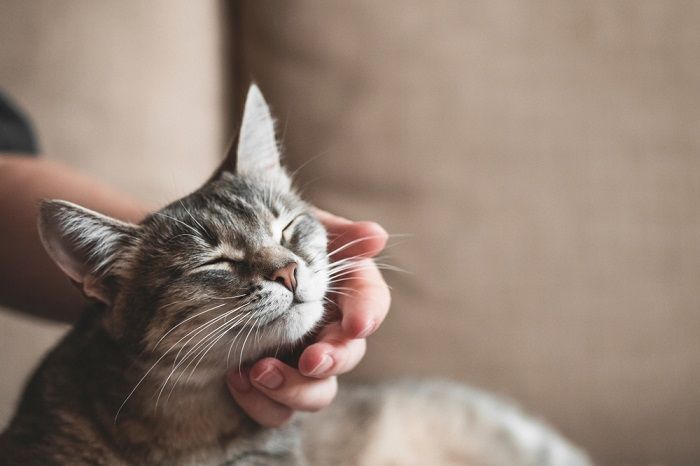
544 156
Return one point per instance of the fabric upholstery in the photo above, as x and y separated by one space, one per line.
545 158
129 92
542 155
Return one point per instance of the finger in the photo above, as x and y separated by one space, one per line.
333 354
365 239
262 409
351 239
330 220
365 308
286 386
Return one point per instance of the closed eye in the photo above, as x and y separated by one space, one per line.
221 260
288 231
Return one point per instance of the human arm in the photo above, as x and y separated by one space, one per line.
29 279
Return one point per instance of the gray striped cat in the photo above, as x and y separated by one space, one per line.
224 276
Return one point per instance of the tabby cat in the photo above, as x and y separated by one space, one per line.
228 274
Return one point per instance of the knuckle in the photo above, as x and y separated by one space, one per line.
288 395
317 399
295 392
352 356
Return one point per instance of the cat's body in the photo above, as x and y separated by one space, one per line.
224 276
430 422
67 414
407 423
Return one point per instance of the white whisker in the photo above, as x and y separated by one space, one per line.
179 221
197 347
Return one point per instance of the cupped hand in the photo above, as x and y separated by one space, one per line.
271 391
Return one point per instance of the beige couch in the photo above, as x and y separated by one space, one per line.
128 91
544 156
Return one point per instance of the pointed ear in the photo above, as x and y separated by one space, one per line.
86 245
254 149
257 150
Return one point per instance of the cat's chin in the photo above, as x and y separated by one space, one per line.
292 325
283 337
278 337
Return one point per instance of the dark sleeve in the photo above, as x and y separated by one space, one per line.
16 133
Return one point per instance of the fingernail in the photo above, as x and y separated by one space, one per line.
239 382
325 364
367 331
271 379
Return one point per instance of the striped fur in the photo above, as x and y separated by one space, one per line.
186 295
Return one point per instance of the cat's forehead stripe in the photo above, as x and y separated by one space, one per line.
229 251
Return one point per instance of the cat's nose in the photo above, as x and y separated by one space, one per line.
286 276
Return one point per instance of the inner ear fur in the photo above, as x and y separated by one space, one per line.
254 149
85 244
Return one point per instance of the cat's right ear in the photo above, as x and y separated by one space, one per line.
86 245
254 150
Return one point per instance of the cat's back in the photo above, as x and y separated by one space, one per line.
431 422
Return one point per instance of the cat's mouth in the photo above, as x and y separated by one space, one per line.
283 326
294 310
298 313
280 333
290 351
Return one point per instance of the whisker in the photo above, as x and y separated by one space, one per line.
223 316
197 238
204 230
179 221
203 345
214 341
349 270
366 279
235 338
352 243
365 238
186 320
307 162
240 355
140 381
198 347
255 337
202 327
341 288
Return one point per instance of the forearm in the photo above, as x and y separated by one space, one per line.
29 280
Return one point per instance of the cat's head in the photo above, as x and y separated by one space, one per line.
236 269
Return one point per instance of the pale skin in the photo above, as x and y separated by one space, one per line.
270 391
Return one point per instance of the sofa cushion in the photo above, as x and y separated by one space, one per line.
544 158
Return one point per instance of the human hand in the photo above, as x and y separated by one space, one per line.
271 391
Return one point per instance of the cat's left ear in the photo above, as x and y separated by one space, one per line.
254 151
89 247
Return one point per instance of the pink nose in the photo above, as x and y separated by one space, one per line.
286 276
